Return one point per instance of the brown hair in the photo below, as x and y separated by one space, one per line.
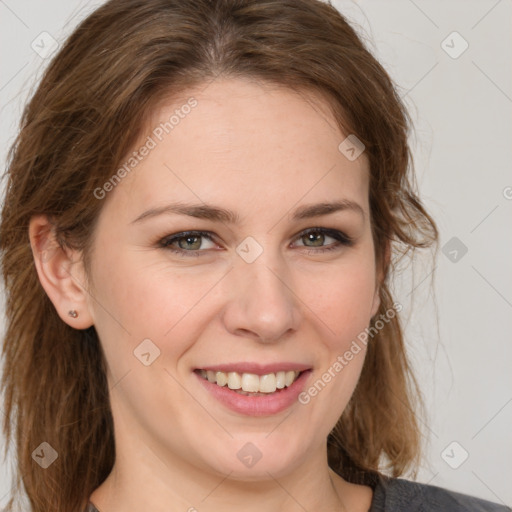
90 108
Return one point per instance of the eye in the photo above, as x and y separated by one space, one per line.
190 243
317 237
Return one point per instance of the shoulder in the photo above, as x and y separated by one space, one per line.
396 494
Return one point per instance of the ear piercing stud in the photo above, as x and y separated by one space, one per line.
72 313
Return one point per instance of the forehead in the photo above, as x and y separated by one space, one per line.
244 143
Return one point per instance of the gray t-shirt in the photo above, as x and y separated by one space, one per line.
399 495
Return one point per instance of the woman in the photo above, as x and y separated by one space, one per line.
204 205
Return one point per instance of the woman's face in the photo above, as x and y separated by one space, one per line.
260 297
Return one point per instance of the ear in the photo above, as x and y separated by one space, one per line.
380 278
61 273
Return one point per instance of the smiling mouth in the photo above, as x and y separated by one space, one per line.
250 384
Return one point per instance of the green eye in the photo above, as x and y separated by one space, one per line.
188 243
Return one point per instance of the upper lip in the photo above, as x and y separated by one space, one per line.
255 368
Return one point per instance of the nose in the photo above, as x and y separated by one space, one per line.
262 304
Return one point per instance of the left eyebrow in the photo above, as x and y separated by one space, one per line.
317 210
218 214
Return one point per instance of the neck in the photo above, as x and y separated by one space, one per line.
156 484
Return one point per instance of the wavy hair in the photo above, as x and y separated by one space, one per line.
107 78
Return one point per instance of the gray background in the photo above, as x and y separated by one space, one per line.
461 106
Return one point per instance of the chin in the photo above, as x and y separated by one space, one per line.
253 460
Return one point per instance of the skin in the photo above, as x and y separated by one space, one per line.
261 151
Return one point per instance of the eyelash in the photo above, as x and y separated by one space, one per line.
342 239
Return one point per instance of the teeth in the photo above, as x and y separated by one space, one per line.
289 378
250 382
221 378
280 380
234 380
268 383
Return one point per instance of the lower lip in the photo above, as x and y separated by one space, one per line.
257 405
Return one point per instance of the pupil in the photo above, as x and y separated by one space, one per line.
311 237
188 239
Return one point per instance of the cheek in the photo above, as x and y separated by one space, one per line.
341 299
342 306
156 301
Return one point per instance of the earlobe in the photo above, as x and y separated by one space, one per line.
61 273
